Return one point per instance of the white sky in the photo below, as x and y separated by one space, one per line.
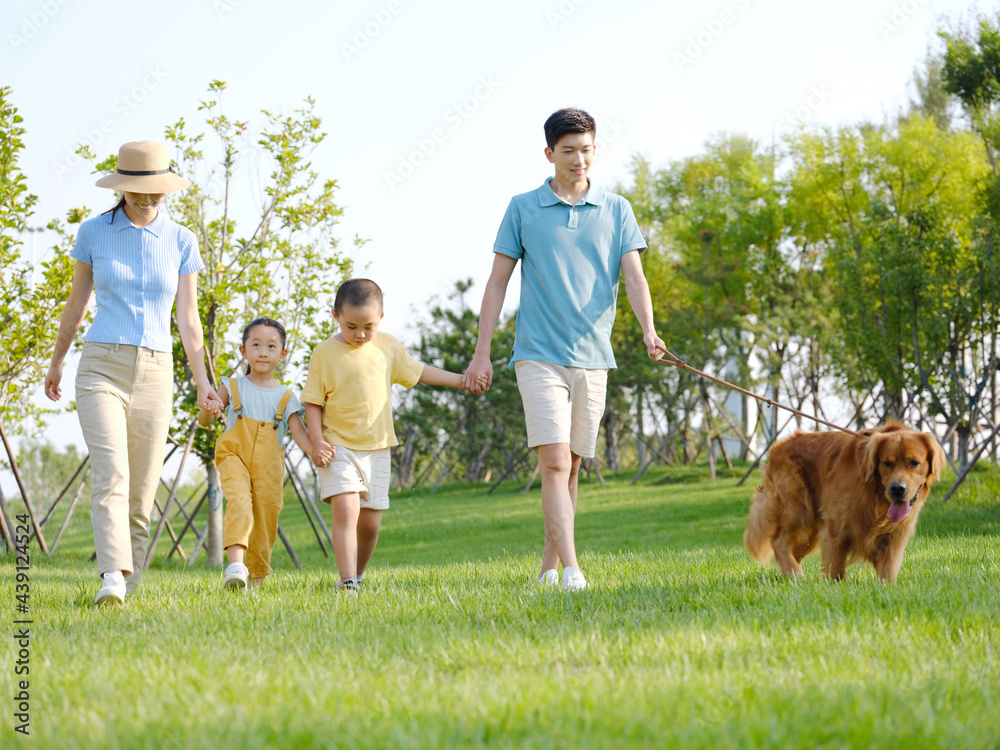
469 83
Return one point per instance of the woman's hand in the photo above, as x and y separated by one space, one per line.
209 400
52 380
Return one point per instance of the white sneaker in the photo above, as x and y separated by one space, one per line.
236 576
573 580
548 578
113 590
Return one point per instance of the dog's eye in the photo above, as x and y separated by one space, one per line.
914 463
887 464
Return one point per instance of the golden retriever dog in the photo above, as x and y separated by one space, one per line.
855 497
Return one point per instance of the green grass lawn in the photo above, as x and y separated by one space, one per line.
682 640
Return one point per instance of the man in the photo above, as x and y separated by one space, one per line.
573 241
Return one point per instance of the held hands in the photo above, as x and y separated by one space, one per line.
479 376
209 400
481 385
323 453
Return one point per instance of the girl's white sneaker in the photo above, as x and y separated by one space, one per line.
236 576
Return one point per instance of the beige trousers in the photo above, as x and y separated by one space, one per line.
124 398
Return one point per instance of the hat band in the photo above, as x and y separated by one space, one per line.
147 173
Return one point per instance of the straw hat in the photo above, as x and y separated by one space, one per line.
144 167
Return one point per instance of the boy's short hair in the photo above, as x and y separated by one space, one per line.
357 293
565 121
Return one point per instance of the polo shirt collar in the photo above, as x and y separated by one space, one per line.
155 227
546 197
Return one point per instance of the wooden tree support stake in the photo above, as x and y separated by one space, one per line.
24 492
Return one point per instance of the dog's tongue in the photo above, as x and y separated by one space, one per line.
898 510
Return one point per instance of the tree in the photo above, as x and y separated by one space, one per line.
895 209
29 308
461 433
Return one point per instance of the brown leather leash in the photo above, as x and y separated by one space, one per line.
675 362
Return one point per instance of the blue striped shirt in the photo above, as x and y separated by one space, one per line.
135 276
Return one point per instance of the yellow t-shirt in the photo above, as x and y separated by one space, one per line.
353 383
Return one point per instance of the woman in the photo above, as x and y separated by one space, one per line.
139 262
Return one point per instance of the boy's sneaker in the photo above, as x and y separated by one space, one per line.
548 578
573 580
360 578
113 589
236 576
349 586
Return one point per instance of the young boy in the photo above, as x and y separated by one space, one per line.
349 418
573 241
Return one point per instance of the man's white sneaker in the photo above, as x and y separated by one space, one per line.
113 590
236 576
573 580
548 578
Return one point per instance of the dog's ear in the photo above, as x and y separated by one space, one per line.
871 456
935 456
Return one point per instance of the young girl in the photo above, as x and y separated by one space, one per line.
248 454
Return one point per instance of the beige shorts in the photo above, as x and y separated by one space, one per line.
364 472
562 404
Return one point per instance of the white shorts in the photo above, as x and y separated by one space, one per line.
364 472
562 404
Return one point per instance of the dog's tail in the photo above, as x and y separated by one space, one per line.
761 527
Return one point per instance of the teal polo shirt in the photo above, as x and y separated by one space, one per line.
570 263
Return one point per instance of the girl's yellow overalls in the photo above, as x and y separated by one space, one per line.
251 466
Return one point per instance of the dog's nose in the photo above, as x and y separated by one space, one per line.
897 490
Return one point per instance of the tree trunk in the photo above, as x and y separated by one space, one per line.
893 400
610 439
640 428
213 542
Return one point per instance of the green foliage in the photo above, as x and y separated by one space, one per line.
971 72
29 310
895 211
